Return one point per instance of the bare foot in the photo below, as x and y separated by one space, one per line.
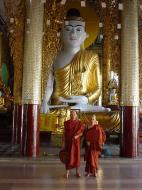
87 174
67 174
78 175
95 175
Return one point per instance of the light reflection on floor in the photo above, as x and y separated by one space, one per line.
29 174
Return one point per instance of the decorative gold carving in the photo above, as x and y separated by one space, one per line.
54 13
110 17
62 115
1 102
5 98
15 11
54 121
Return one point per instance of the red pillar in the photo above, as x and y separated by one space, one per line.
129 131
129 79
17 124
30 136
32 71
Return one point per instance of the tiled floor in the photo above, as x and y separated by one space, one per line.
9 150
47 172
39 174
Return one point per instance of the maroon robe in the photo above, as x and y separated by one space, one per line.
96 137
72 146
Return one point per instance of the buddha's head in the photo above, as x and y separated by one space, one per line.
73 33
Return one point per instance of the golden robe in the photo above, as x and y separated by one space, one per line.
80 77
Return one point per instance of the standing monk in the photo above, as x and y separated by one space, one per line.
94 137
73 130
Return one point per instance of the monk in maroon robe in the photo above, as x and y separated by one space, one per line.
94 137
73 130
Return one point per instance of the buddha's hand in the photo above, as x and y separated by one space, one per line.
44 107
62 99
74 99
79 99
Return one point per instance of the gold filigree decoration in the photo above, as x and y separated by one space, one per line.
140 52
110 17
140 61
54 13
15 11
6 98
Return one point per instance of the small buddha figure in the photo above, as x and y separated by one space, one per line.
112 86
75 77
5 96
1 100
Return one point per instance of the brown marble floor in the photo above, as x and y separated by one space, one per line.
48 173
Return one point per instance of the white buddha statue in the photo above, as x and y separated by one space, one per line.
75 77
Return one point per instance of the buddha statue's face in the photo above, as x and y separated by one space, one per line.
73 33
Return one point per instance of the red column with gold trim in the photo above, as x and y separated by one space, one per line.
30 137
129 79
31 88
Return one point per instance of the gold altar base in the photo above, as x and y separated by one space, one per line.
110 121
54 122
48 122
